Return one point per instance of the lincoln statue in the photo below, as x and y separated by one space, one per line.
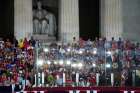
44 22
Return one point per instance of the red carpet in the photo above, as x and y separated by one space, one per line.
84 89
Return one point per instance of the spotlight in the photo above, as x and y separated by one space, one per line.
48 62
95 51
68 62
74 65
46 50
55 62
80 51
108 65
109 52
94 65
61 62
40 62
68 49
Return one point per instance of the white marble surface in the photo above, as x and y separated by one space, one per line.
111 19
68 20
23 26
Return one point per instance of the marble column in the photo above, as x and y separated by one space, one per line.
23 26
111 19
68 20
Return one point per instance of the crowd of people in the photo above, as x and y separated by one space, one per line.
16 62
87 58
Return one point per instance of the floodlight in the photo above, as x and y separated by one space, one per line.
108 65
61 62
80 51
94 65
109 52
95 51
48 62
55 62
68 62
46 50
74 65
40 62
68 49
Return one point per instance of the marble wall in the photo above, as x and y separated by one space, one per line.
68 20
120 18
131 19
111 19
23 26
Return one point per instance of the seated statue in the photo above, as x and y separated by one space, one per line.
52 24
43 21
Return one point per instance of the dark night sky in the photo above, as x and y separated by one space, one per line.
89 18
88 11
6 18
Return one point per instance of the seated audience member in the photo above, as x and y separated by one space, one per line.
15 42
21 45
32 42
